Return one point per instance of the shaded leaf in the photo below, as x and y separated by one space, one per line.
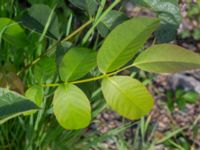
36 19
89 5
110 21
167 58
46 2
71 107
127 96
166 33
45 69
169 14
61 50
76 63
13 104
124 42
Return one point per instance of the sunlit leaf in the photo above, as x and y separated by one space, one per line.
167 58
71 107
124 42
127 96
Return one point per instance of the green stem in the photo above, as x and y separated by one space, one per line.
101 7
87 36
77 31
47 24
54 45
90 79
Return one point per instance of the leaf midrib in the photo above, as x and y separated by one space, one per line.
110 65
154 62
124 93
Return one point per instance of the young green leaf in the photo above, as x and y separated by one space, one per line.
76 63
13 104
71 107
12 32
127 96
167 58
124 42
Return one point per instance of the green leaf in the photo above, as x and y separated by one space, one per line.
127 96
124 42
169 13
167 58
45 69
166 33
36 19
61 50
89 5
110 21
76 63
167 10
35 94
12 32
12 104
71 107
